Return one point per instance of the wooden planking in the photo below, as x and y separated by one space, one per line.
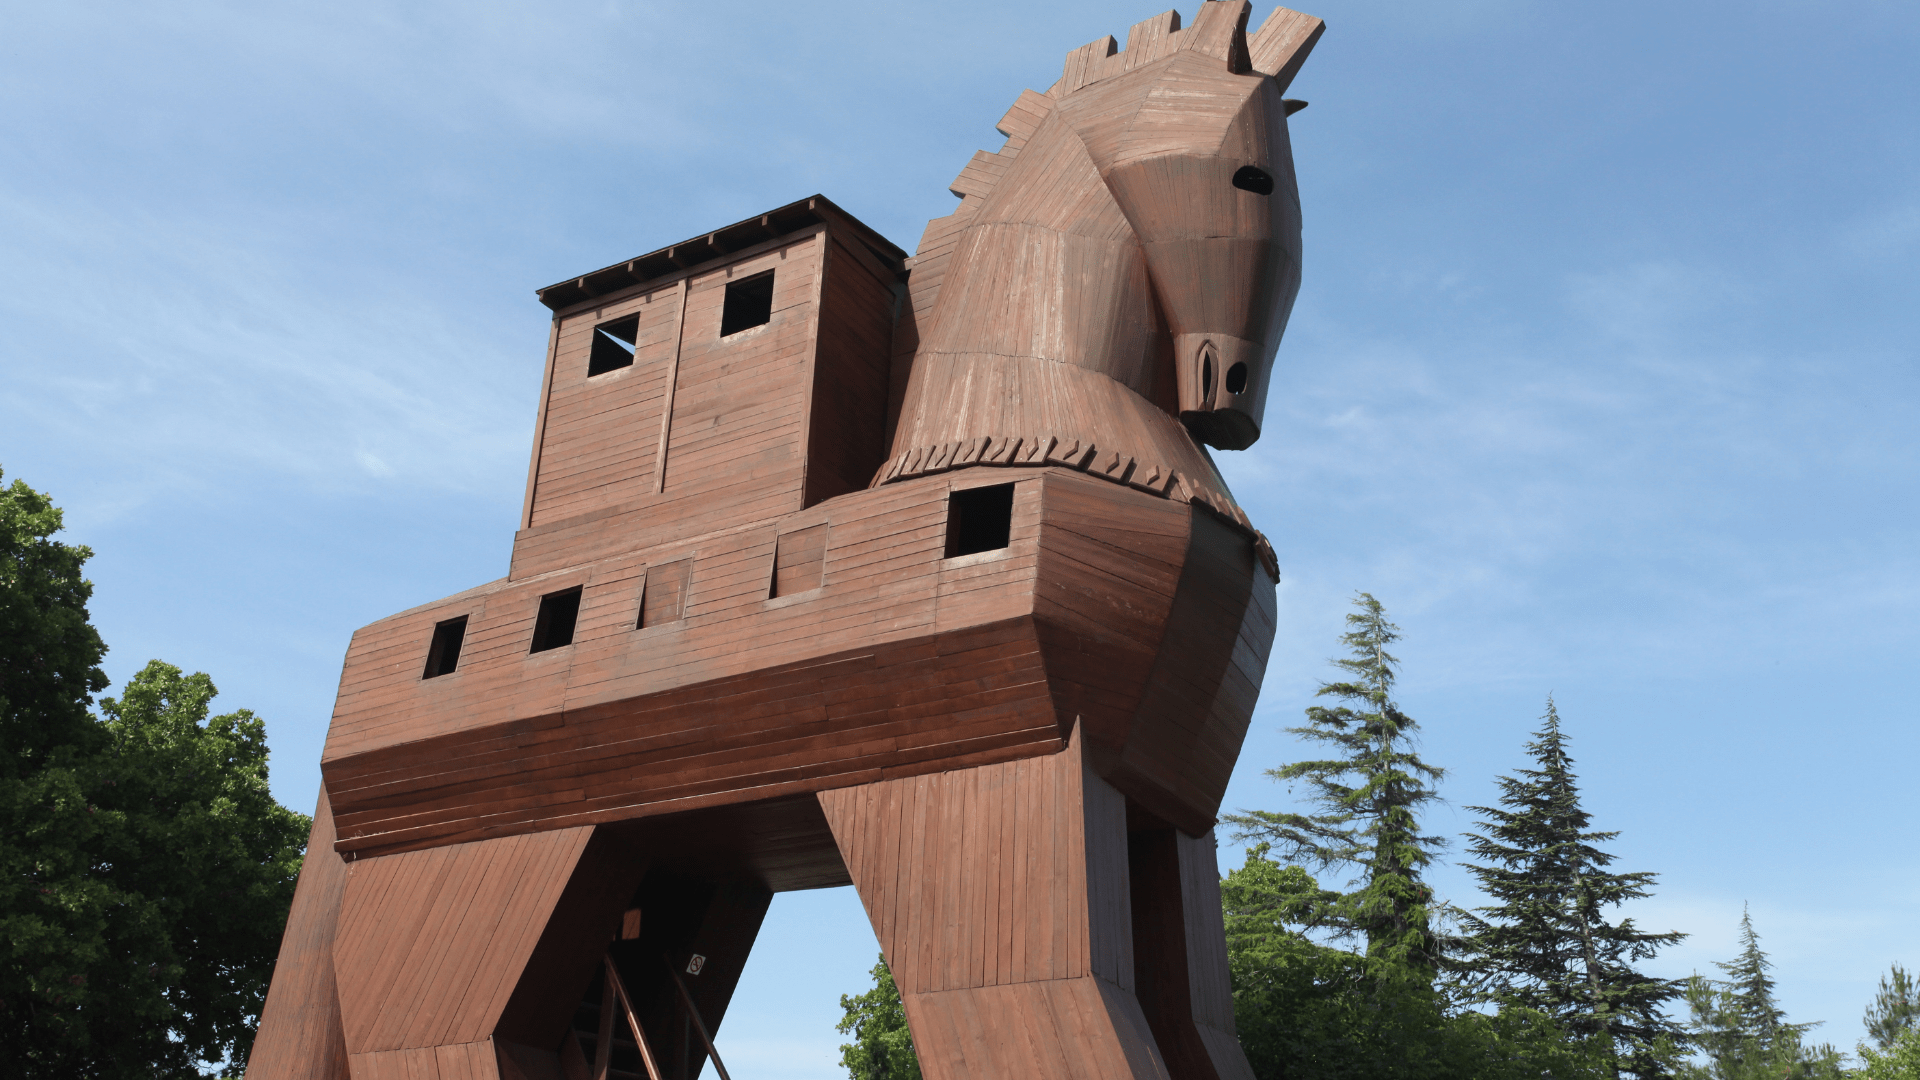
1002 873
598 435
999 894
756 627
624 723
1282 44
431 943
799 560
854 723
1186 734
609 444
1208 980
461 1061
848 398
300 1035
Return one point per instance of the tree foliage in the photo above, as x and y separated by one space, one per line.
1895 1009
1742 1030
882 1046
1898 1059
1369 796
1308 1011
1546 944
145 870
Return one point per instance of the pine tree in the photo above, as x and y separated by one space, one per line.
1896 1008
1546 944
1369 796
1742 1028
1752 1001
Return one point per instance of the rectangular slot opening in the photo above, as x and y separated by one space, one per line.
979 519
613 345
663 598
444 654
554 626
799 560
749 304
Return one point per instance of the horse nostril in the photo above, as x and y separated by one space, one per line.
1236 378
1254 180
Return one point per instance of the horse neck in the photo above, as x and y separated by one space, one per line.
1048 273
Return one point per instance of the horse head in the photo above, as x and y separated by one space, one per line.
1193 147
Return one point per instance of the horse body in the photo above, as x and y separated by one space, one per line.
773 677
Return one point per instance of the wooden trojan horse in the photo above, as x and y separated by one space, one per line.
837 567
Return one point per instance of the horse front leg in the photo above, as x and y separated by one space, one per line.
1000 895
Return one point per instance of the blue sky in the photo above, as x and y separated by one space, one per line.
1602 378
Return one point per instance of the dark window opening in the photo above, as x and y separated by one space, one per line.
979 519
444 654
554 627
799 557
1206 373
749 304
663 598
1237 378
613 345
1255 180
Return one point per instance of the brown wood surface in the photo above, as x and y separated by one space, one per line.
780 679
300 1036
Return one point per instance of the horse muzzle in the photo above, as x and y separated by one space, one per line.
1223 386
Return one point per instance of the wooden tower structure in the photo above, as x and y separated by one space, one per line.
839 567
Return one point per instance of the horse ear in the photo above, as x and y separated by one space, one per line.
1282 44
1220 30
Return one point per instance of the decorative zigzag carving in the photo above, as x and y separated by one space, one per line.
1276 50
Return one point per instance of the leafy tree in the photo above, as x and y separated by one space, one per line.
1547 944
49 652
1369 797
882 1046
1307 1011
1895 1008
145 871
1743 1030
1897 1059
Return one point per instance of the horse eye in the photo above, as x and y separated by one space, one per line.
1254 180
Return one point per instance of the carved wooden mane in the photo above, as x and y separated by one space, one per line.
943 600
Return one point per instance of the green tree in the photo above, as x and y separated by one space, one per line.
1546 944
1743 1031
145 871
882 1046
1308 1011
1898 1059
1369 796
1895 1008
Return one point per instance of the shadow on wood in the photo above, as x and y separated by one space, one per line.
838 567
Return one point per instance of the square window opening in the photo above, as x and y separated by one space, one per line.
749 304
613 345
799 559
558 614
979 519
663 597
444 654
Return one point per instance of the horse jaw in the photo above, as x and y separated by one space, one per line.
1168 139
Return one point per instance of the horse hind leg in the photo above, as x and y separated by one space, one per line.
1001 896
1180 951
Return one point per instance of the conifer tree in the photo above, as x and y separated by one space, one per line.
1369 795
1743 1029
1895 1008
1546 944
1752 1000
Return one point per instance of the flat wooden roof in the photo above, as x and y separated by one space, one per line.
674 258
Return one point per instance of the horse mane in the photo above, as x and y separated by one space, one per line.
1276 50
